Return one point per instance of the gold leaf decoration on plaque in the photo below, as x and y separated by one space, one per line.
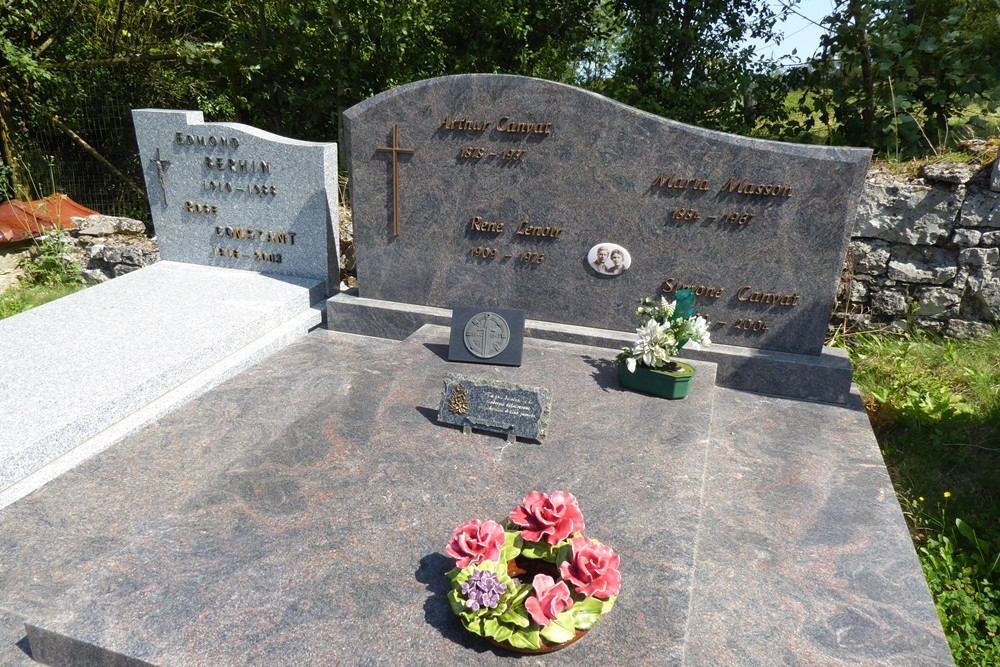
458 403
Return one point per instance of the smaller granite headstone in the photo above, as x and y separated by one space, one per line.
232 195
995 176
481 336
515 410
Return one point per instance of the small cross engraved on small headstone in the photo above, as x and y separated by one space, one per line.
160 164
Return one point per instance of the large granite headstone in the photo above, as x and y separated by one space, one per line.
231 195
510 192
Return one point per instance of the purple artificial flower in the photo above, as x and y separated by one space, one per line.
483 589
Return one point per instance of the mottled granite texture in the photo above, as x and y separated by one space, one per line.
95 357
599 172
803 556
297 514
258 201
15 650
825 377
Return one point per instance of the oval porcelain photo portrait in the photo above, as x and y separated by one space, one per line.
609 259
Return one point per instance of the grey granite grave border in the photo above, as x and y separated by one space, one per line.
155 337
233 365
825 378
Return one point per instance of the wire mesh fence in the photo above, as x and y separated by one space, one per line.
80 141
56 163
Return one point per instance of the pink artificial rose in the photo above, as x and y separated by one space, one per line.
592 569
550 599
553 518
475 542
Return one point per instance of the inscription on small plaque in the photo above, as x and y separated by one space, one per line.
517 411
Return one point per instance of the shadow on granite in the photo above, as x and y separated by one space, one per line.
25 646
440 349
605 373
437 611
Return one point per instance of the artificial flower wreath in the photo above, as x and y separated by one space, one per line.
575 579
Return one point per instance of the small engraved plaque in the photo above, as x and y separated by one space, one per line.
515 410
486 335
481 336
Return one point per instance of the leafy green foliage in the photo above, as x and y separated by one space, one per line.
19 299
49 265
293 67
891 73
962 575
686 60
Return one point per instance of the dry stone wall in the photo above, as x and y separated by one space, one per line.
925 251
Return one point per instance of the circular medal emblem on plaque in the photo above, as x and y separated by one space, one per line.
486 335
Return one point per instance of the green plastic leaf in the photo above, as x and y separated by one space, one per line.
456 602
516 616
561 629
475 627
452 573
504 633
685 299
525 639
608 605
587 613
490 627
537 550
461 577
511 546
523 591
563 553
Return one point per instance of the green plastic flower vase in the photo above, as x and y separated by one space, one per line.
669 383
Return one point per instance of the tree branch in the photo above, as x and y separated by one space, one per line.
122 60
52 38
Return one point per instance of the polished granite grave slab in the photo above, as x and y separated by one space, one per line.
803 556
297 514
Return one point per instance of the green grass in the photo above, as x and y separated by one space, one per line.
19 299
49 275
935 407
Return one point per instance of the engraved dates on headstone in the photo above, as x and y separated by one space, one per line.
514 410
511 192
234 196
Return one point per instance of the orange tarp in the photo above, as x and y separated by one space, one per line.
24 220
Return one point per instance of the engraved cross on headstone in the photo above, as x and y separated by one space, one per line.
395 150
160 164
